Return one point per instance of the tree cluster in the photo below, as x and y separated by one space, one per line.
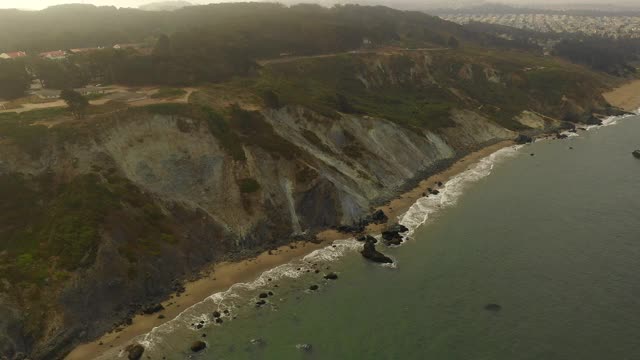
14 79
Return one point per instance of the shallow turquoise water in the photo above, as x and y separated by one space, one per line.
553 238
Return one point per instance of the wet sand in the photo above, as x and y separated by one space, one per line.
626 96
221 276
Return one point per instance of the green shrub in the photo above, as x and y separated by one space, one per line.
167 93
248 185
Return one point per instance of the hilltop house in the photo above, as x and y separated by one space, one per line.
54 55
13 55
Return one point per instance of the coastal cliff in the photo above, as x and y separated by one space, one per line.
110 214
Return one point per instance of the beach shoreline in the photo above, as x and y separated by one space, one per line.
219 277
626 96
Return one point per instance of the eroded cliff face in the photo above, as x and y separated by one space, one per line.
117 210
341 168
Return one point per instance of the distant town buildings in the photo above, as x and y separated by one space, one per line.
608 26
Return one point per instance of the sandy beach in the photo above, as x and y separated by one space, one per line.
221 276
626 96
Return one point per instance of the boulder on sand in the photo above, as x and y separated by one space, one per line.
523 139
197 346
379 217
369 252
151 309
135 351
636 154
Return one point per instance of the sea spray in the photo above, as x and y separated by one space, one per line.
242 294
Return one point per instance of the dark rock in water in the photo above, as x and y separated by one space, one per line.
270 293
532 154
225 311
493 307
257 342
197 346
440 183
216 314
392 235
367 238
369 252
260 303
581 128
636 154
135 351
331 276
379 217
313 287
263 295
151 309
561 136
161 316
398 228
435 192
199 326
219 321
523 139
592 120
615 111
304 347
573 131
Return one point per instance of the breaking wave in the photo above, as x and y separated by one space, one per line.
228 302
421 210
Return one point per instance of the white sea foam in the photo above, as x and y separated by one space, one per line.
421 211
241 293
613 120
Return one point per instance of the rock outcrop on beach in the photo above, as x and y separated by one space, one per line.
369 252
393 234
523 139
134 352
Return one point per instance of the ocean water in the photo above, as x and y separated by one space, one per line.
553 239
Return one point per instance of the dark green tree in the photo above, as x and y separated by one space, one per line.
453 42
271 99
77 103
344 105
163 47
14 80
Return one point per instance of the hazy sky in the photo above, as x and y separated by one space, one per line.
41 4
